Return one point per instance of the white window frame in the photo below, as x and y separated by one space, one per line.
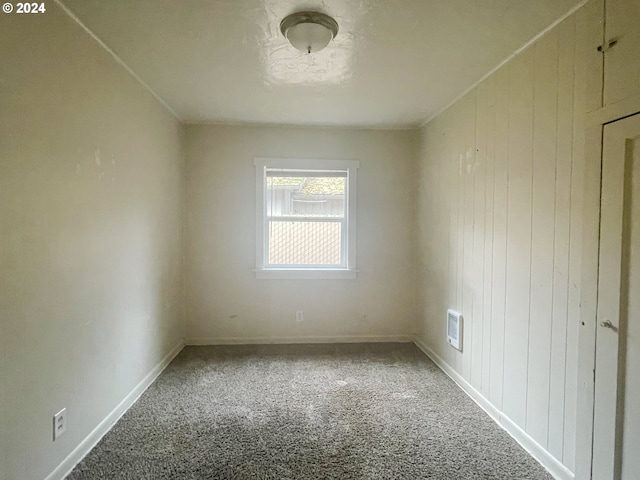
264 271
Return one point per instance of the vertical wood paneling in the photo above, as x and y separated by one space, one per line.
467 154
557 376
509 164
478 172
459 188
594 67
518 237
500 214
584 243
621 68
545 90
588 170
433 191
455 262
576 235
445 175
489 119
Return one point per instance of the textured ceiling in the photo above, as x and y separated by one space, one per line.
394 63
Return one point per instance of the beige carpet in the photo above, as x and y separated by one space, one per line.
360 411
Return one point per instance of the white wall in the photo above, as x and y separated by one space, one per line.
226 303
90 237
500 212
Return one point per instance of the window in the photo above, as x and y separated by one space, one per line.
305 214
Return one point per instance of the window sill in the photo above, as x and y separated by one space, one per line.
305 274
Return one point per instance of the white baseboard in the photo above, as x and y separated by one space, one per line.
288 340
548 461
105 425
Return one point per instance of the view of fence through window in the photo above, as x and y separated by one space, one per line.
306 215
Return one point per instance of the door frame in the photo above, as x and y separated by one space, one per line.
588 301
592 311
609 337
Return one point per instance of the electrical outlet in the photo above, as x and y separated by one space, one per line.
59 423
299 316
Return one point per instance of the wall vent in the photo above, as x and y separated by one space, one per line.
454 329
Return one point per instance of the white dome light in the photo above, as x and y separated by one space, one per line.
309 32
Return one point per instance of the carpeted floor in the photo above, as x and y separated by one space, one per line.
360 411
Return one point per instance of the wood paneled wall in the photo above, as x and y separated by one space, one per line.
500 222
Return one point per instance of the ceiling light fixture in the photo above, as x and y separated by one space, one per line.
309 32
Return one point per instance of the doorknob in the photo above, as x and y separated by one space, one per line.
607 324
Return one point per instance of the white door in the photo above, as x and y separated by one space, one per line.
616 441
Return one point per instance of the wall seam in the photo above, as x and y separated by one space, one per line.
505 61
117 58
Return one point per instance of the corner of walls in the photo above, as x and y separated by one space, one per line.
500 226
416 138
420 234
183 230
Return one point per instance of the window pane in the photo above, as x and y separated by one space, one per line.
313 196
296 208
305 243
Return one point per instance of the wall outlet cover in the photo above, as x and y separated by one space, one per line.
59 423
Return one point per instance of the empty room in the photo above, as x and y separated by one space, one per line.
330 239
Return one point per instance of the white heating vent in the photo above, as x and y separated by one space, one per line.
454 329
